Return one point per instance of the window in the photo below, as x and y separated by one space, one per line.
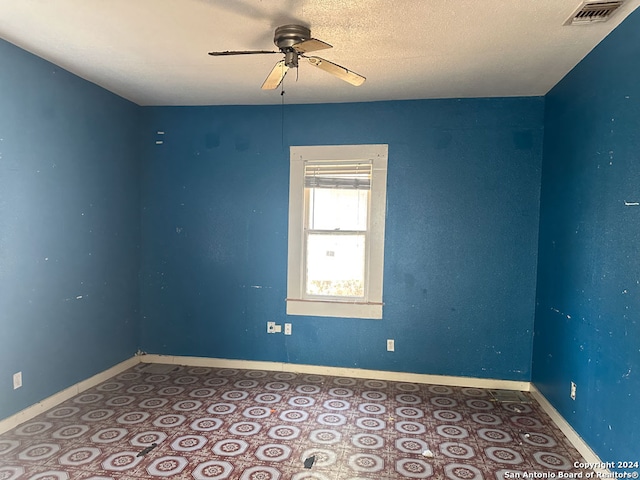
337 199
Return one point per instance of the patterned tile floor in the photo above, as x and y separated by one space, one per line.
256 425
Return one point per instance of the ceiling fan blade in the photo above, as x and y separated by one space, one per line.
275 77
340 72
311 45
240 52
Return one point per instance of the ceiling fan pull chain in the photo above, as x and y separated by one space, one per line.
282 113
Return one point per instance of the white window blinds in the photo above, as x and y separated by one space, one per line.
352 176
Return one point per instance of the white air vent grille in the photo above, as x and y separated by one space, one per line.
590 12
508 396
159 368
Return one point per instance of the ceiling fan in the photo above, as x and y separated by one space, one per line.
294 41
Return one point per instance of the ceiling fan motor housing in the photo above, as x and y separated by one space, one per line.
288 35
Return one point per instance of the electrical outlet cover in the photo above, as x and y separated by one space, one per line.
391 345
17 380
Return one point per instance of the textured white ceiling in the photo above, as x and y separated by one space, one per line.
154 52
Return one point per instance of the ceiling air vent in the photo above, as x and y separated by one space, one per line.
590 12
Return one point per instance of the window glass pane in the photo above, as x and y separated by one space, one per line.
335 265
338 209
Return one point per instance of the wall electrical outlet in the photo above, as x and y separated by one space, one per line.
17 380
287 329
573 391
391 345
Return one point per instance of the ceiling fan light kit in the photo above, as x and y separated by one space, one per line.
294 41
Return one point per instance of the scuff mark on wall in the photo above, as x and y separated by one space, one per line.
561 313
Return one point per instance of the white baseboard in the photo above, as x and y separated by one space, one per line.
36 409
575 439
339 372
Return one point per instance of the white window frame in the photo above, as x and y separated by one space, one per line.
371 306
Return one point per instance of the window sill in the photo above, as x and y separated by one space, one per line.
321 308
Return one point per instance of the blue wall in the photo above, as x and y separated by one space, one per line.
461 240
69 228
587 326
